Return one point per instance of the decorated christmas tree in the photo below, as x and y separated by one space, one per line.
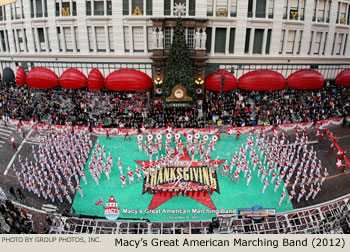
178 69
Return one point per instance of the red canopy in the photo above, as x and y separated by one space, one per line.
42 78
305 79
343 78
73 79
128 80
213 81
262 80
95 80
20 76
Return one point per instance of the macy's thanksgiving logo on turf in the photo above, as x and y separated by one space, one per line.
185 177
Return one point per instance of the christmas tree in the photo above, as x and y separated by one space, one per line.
178 69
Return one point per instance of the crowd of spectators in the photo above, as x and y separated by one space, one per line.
250 108
14 220
79 107
132 109
184 117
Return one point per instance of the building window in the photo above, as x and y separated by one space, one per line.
220 40
126 39
210 8
138 38
231 48
233 8
109 7
88 8
260 11
38 8
149 7
41 37
149 38
17 10
325 43
271 8
64 8
321 10
167 37
258 41
7 41
209 39
90 39
110 37
192 8
300 40
345 43
137 7
294 9
311 41
68 39
290 41
339 43
98 8
221 8
250 9
268 41
2 41
59 39
125 7
76 34
190 38
47 39
317 44
14 40
341 15
20 40
247 40
2 13
282 41
167 10
25 39
100 36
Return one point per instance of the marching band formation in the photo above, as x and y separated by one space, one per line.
274 162
277 161
61 158
58 166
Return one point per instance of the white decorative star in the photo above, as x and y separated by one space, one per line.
180 9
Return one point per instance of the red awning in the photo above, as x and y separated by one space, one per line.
262 80
73 79
95 80
305 79
343 78
42 78
128 80
213 81
20 76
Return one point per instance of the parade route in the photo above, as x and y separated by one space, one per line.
19 149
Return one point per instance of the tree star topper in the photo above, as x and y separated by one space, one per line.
180 9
